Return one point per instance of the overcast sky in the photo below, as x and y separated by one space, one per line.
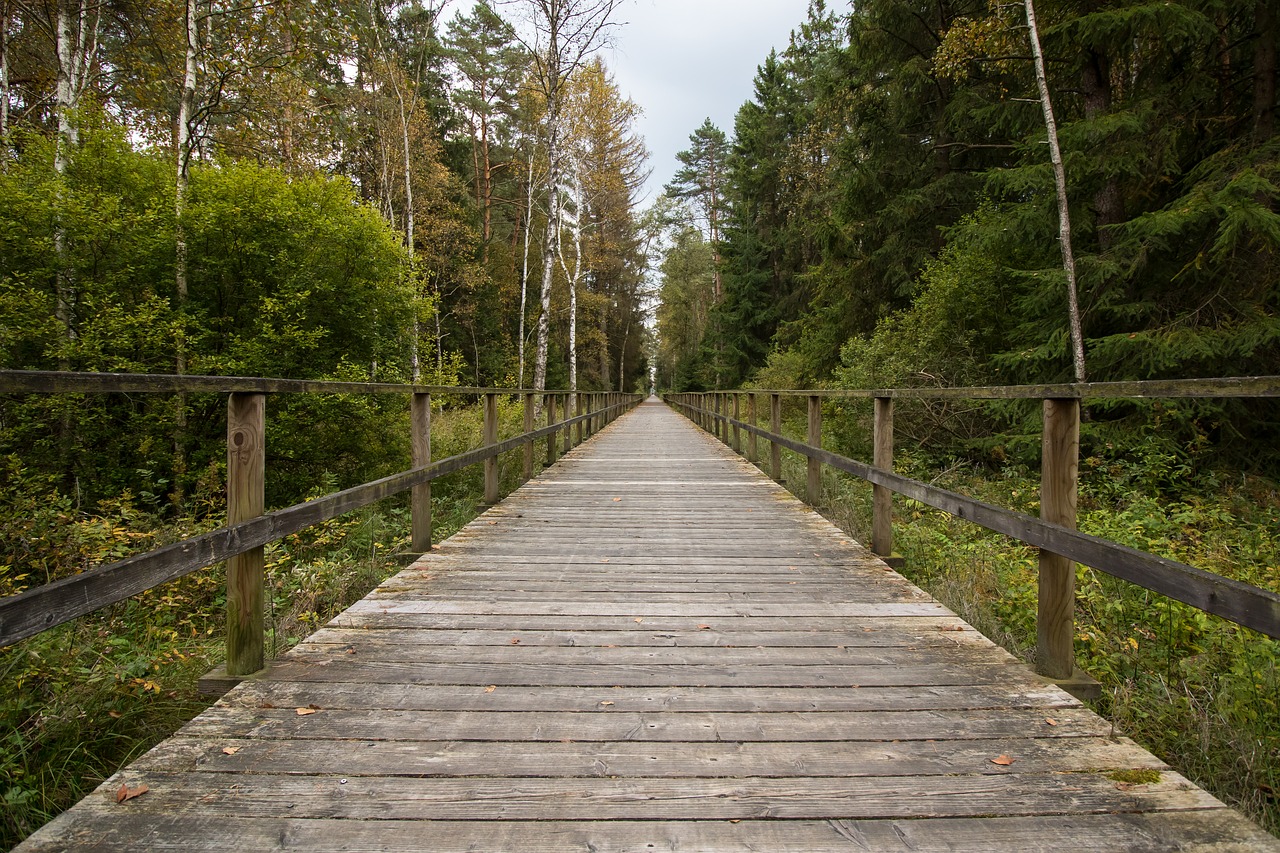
684 61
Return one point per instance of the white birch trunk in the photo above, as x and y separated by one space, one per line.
550 250
1060 180
524 275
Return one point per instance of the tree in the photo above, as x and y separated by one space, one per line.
484 52
564 34
701 178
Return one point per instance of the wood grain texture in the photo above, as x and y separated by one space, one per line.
648 647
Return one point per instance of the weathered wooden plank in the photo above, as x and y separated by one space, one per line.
378 603
217 754
637 675
1216 830
606 724
363 798
1014 693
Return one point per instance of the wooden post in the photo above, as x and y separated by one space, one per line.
550 400
881 496
580 408
775 427
246 482
420 500
567 441
721 433
526 470
753 446
813 491
1055 622
737 416
490 438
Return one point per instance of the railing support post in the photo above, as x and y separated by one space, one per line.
775 427
1055 622
420 499
813 490
526 469
753 445
490 439
246 480
550 403
882 496
567 443
737 416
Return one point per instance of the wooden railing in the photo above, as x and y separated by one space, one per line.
240 544
1053 532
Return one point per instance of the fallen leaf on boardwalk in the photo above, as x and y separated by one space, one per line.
1002 760
124 792
704 627
493 522
515 641
606 704
230 750
1051 721
605 560
617 500
951 628
302 712
491 688
266 705
638 619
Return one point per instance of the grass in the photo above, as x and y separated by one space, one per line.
82 700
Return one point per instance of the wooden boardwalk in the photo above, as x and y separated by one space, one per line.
649 647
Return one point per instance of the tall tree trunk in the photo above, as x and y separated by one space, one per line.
1264 71
182 147
1060 179
1095 85
524 274
573 278
5 86
550 249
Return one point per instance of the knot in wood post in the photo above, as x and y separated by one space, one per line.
246 480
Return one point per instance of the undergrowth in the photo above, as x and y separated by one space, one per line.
1200 692
79 701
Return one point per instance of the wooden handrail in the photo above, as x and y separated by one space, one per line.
1222 387
1239 602
39 609
71 382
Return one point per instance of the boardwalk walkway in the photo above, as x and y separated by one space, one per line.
649 647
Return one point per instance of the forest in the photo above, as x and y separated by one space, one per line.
419 191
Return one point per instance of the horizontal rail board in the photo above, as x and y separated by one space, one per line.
1242 603
28 613
70 382
1226 387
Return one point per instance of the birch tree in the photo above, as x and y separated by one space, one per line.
562 35
1060 181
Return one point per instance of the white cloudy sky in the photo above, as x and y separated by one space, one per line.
683 61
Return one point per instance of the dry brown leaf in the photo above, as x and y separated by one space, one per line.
115 715
606 703
1003 760
605 560
638 620
124 792
230 750
303 712
515 641
704 627
617 500
1050 721
491 688
951 628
